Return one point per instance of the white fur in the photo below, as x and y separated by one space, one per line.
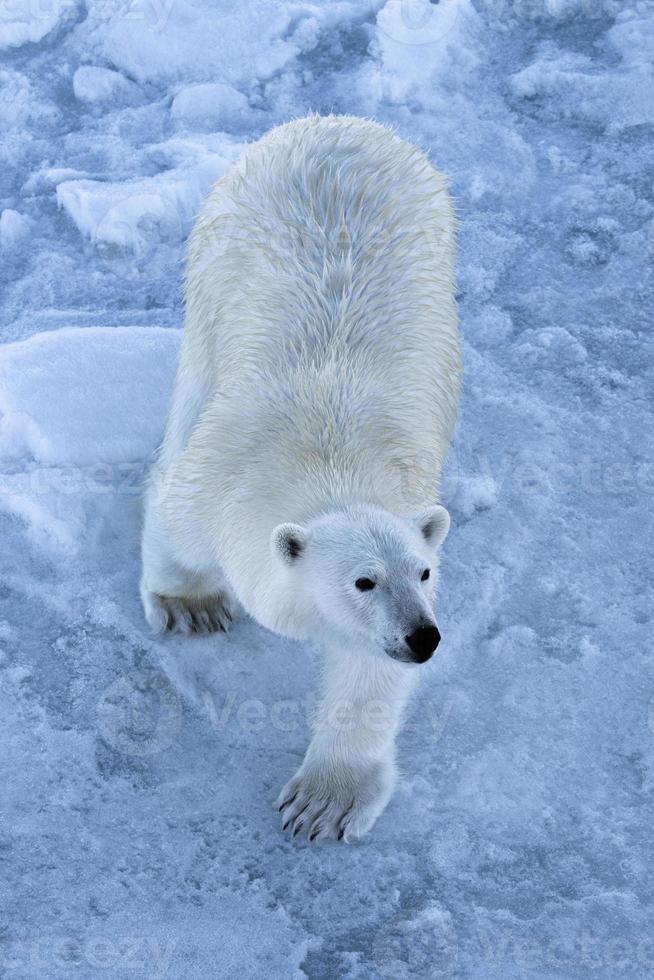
317 387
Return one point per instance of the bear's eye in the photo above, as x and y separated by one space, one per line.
425 575
364 584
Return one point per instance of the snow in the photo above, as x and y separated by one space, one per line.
138 837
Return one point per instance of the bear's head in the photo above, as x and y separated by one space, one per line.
370 576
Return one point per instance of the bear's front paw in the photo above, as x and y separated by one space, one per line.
338 804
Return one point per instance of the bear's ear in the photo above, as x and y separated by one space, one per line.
433 523
288 541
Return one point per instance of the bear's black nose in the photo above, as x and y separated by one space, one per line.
422 642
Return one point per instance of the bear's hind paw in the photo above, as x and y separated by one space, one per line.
189 615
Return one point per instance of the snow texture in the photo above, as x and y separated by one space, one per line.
137 834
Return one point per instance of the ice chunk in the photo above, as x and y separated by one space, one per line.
190 40
131 214
19 104
216 106
14 227
86 395
91 84
23 21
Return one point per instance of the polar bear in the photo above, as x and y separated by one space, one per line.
314 403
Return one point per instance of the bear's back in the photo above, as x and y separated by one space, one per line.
330 241
320 360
